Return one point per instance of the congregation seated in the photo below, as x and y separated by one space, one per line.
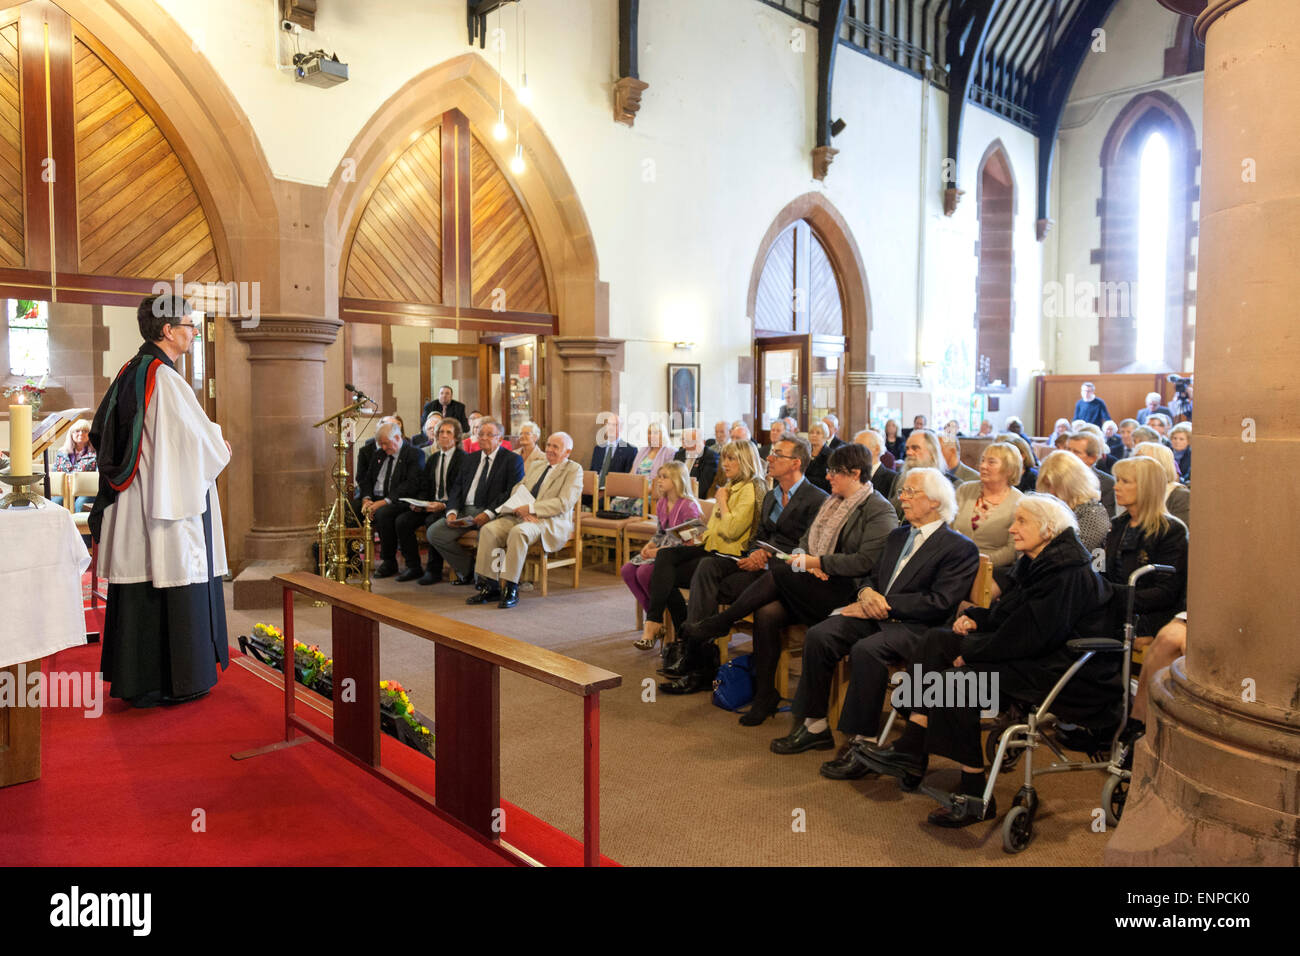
784 515
367 452
1180 442
924 571
1028 464
920 451
701 460
775 432
76 454
429 435
1088 447
1178 497
1114 444
1126 440
612 453
646 463
1145 532
729 530
1020 640
832 424
894 441
1160 423
883 475
555 486
843 544
1062 427
820 454
442 465
471 444
719 438
676 506
1154 405
483 483
391 473
1065 476
1014 425
527 444
986 507
986 429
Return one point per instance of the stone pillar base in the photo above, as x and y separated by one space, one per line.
254 588
1215 781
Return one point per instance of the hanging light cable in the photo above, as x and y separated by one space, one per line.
500 130
525 91
517 161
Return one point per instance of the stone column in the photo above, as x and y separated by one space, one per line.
290 458
583 384
1217 778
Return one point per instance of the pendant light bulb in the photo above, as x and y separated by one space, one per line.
526 92
517 162
500 131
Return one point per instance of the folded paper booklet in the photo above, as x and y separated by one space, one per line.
522 496
417 503
774 550
460 522
690 531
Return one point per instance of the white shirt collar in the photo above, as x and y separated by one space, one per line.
927 530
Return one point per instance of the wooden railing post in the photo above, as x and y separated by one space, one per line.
290 688
591 780
356 705
466 702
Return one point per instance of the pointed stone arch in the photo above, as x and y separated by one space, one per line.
996 196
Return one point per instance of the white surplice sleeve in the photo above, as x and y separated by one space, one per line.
188 450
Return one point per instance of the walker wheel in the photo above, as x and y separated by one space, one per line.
1113 796
1010 759
1017 829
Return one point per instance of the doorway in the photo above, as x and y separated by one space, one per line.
466 368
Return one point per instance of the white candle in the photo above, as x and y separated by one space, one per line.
20 438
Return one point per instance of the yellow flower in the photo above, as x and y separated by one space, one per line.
383 684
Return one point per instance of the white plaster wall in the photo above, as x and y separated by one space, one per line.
123 338
679 203
1137 34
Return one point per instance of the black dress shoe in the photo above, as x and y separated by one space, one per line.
692 683
908 768
713 626
485 596
674 658
509 594
429 578
801 739
385 570
460 582
410 574
847 766
965 810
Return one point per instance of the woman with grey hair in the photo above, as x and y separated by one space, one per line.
530 434
1017 645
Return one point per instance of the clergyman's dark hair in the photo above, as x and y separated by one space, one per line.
158 310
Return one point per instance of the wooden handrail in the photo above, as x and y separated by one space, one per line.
541 664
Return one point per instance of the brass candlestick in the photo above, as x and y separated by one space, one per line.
20 496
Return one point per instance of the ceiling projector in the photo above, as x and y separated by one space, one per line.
318 69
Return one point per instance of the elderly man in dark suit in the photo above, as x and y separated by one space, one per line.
700 460
1087 447
441 469
787 512
882 478
613 453
482 485
925 572
392 474
447 408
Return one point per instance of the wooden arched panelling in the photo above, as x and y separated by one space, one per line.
138 214
825 306
503 251
774 303
11 148
396 251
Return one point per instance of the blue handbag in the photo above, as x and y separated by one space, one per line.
733 688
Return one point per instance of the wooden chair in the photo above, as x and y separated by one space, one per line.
981 595
540 562
611 529
84 483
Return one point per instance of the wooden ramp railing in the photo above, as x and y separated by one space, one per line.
467 664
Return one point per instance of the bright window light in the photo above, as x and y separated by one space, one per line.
1153 247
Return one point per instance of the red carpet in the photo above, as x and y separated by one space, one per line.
122 790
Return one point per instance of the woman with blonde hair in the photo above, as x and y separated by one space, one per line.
1146 533
734 518
76 454
986 508
821 453
672 486
1028 464
1064 475
1178 499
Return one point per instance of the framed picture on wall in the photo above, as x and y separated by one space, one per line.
683 396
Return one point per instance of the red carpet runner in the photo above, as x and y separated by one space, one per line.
122 790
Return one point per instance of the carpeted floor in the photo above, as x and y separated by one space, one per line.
683 784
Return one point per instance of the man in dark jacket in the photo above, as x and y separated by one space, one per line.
700 460
439 475
1090 408
1015 651
483 484
392 474
925 571
612 454
787 512
447 408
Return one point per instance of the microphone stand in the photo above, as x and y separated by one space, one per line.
343 551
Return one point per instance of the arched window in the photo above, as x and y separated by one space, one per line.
994 302
1145 303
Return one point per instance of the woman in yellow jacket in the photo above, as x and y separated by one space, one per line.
728 532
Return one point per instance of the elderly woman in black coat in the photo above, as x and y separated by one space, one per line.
1017 648
842 544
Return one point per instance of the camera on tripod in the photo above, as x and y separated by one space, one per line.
1181 404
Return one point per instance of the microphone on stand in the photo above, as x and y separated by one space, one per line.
358 393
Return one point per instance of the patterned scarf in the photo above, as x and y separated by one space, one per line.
825 530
